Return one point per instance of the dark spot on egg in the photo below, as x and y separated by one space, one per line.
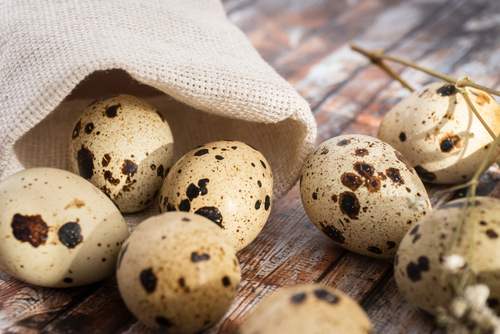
164 322
449 143
169 206
263 164
185 205
70 234
416 238
182 282
106 159
76 129
326 296
30 229
160 171
192 191
394 175
414 229
391 244
267 203
374 249
334 198
257 204
351 181
361 152
491 234
344 142
112 111
424 174
219 157
315 196
324 151
108 176
148 280
402 136
234 147
201 152
226 281
153 167
68 280
161 116
373 184
89 127
349 204
414 270
211 213
195 257
332 233
364 169
85 160
483 223
129 168
298 298
446 90
259 183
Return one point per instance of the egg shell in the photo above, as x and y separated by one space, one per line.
57 229
178 272
355 189
226 181
418 268
124 146
438 133
307 308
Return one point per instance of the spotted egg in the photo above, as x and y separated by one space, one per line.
436 130
228 182
124 146
57 229
356 190
307 308
178 272
419 270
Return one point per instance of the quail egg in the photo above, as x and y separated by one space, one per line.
307 308
438 133
124 146
178 272
356 189
57 229
419 263
228 182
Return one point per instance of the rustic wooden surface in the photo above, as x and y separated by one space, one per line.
307 42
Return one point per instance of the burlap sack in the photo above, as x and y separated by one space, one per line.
211 82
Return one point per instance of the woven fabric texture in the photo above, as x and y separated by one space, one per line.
216 84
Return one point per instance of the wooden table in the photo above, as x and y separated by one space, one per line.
307 42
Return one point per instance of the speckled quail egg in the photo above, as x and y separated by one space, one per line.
307 308
419 269
228 182
438 133
124 146
178 272
355 189
57 229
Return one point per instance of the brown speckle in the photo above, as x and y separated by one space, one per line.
351 181
30 229
491 234
112 111
106 159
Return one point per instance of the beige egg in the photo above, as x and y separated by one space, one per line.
228 182
57 229
356 190
124 146
178 272
307 308
418 268
438 133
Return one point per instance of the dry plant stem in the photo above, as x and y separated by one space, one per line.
373 58
379 55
